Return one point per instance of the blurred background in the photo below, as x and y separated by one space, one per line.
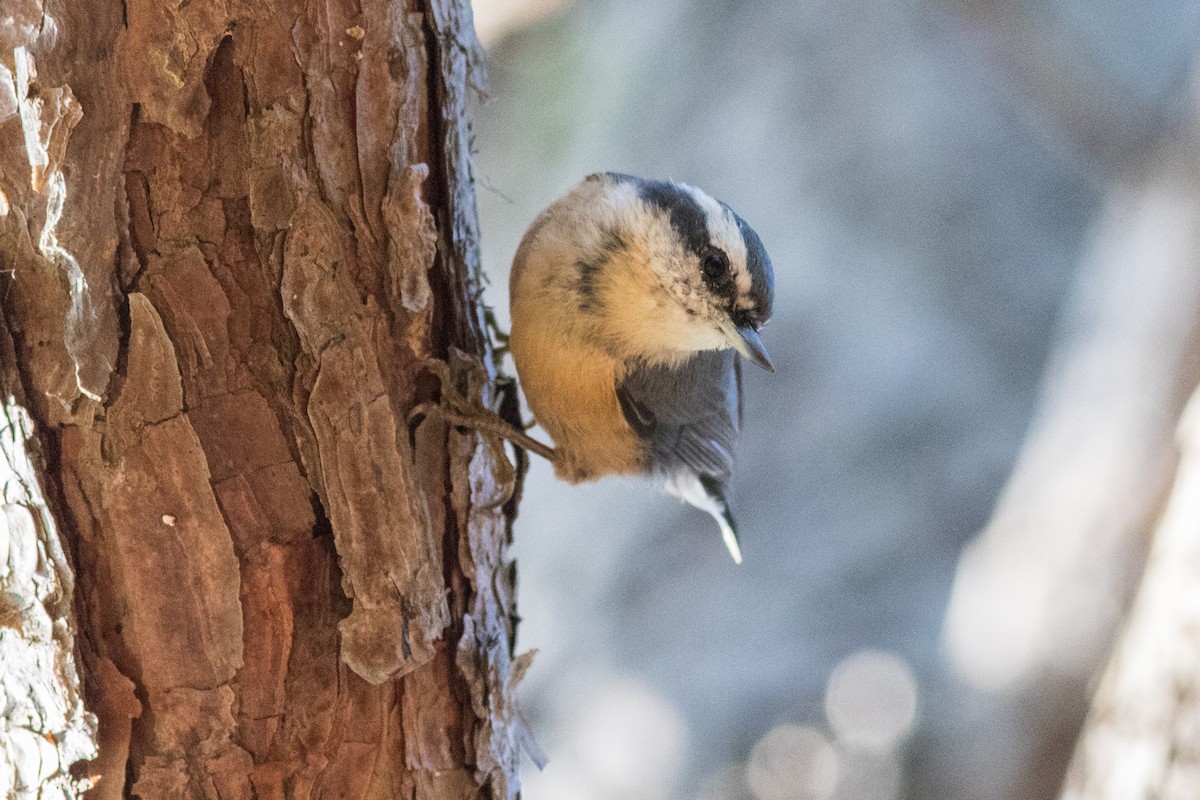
983 219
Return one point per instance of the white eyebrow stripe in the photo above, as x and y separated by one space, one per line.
723 230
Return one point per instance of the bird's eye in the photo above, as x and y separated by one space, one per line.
714 265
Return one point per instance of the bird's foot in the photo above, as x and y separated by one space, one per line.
457 409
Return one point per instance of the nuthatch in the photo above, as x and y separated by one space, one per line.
629 299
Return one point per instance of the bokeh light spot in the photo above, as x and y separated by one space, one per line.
632 740
792 763
871 699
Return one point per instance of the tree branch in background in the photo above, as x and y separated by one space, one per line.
1141 738
1037 598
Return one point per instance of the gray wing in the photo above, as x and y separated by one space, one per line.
688 416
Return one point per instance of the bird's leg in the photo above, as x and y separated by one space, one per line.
457 409
486 421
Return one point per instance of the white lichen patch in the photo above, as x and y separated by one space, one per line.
43 726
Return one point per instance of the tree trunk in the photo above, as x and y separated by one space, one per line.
1142 739
233 237
1039 596
1142 736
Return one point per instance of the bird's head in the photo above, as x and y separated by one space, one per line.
658 270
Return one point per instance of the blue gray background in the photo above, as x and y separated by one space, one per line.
925 176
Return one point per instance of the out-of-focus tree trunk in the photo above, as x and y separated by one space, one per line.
1142 738
1039 596
233 235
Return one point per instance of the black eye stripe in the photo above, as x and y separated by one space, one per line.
714 268
690 222
745 318
686 215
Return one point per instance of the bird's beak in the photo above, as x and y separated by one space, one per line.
745 340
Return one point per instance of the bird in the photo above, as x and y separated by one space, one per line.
631 301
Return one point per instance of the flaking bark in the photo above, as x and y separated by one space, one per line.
233 236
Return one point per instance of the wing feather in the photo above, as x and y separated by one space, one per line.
688 415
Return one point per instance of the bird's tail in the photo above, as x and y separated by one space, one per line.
718 506
729 533
707 494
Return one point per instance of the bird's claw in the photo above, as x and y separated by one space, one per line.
458 409
452 399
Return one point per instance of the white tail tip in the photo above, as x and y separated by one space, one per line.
731 540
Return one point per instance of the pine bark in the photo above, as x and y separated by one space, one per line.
234 235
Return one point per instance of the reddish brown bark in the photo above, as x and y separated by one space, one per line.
267 230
